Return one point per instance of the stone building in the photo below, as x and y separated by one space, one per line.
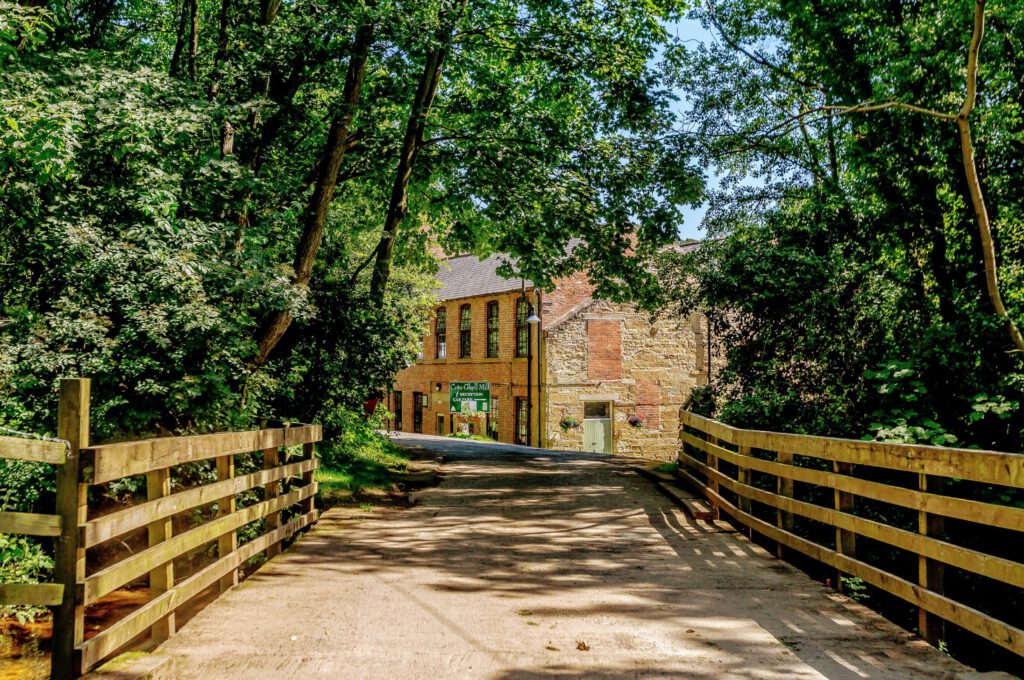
586 374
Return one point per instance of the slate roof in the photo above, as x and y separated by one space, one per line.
467 275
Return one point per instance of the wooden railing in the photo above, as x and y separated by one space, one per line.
32 524
723 461
285 506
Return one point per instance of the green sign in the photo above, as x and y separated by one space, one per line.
469 397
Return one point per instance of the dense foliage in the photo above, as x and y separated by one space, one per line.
225 211
849 296
846 284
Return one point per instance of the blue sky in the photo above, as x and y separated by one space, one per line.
691 31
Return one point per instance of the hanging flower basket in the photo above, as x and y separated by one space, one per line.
635 420
567 423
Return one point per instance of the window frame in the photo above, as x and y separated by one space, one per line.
521 434
417 412
398 409
522 328
441 333
493 324
465 331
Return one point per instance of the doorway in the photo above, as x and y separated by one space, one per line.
597 427
439 425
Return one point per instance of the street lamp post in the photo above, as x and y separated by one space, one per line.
531 321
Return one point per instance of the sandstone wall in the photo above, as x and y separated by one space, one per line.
660 364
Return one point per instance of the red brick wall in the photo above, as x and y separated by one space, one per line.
604 349
648 402
506 372
569 292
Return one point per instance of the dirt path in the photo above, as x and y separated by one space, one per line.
533 564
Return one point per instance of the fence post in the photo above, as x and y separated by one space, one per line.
930 573
783 487
846 541
69 567
743 477
308 505
161 579
227 543
271 459
713 464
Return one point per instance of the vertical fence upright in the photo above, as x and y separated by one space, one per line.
930 573
783 487
161 579
228 542
846 541
271 459
69 564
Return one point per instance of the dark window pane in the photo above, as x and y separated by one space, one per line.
522 328
441 334
493 329
465 331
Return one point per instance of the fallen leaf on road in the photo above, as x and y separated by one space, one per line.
582 646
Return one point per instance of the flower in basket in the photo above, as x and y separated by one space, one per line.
568 423
636 420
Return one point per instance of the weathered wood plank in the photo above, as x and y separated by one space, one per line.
115 524
991 467
971 619
113 461
130 568
271 459
72 506
990 514
35 450
161 578
228 542
29 524
34 594
990 566
97 649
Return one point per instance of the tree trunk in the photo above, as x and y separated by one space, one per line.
315 216
963 124
399 203
179 43
193 39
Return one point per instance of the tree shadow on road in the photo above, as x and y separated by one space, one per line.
576 536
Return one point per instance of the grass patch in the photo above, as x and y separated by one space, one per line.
473 437
669 468
364 466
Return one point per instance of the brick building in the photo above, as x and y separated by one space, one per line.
585 375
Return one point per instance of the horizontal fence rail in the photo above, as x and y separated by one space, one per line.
178 527
30 523
751 475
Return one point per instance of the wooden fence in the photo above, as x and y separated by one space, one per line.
284 482
723 460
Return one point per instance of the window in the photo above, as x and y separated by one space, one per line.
596 409
493 329
418 401
398 410
522 421
465 331
522 328
441 333
492 419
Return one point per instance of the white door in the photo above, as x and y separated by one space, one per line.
597 427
